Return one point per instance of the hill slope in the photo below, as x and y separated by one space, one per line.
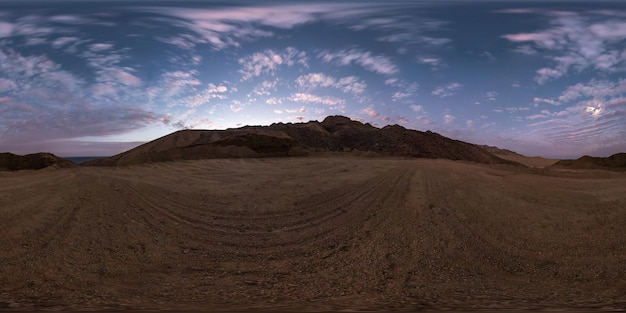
335 133
614 162
519 158
35 161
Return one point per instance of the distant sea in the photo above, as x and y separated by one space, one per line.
82 159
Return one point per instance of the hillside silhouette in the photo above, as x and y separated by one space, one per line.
334 133
35 161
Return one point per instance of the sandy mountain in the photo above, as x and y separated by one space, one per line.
35 161
614 162
519 158
335 133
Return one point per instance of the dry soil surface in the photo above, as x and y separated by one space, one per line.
312 234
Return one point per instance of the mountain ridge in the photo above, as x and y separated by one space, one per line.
33 161
334 133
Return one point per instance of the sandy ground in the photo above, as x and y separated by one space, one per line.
317 233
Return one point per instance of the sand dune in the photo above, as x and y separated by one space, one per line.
311 233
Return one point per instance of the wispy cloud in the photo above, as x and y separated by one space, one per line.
222 27
435 63
595 88
537 101
594 123
348 84
447 90
310 98
374 63
574 42
491 95
268 62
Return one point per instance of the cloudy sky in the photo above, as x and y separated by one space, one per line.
95 78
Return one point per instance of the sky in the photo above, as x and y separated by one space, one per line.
96 78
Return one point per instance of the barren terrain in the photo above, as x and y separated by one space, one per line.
318 233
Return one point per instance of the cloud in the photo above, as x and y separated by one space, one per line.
177 82
265 88
400 95
574 42
595 88
491 95
6 29
349 84
371 112
64 41
447 119
594 124
274 101
222 27
435 63
537 101
269 61
417 108
211 92
236 106
99 47
7 85
407 29
377 64
447 90
330 101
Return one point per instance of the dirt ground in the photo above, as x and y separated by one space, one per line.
315 233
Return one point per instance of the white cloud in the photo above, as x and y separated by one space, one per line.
400 95
595 88
434 62
491 95
228 26
447 90
99 47
273 101
314 80
211 92
417 108
365 59
236 106
178 81
64 41
305 97
371 112
265 88
349 84
537 101
576 43
6 29
269 61
447 119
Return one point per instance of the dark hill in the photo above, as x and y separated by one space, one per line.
35 161
614 162
335 133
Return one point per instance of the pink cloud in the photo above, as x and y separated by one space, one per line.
127 78
378 64
6 29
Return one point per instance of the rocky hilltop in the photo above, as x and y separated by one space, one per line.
35 161
334 133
